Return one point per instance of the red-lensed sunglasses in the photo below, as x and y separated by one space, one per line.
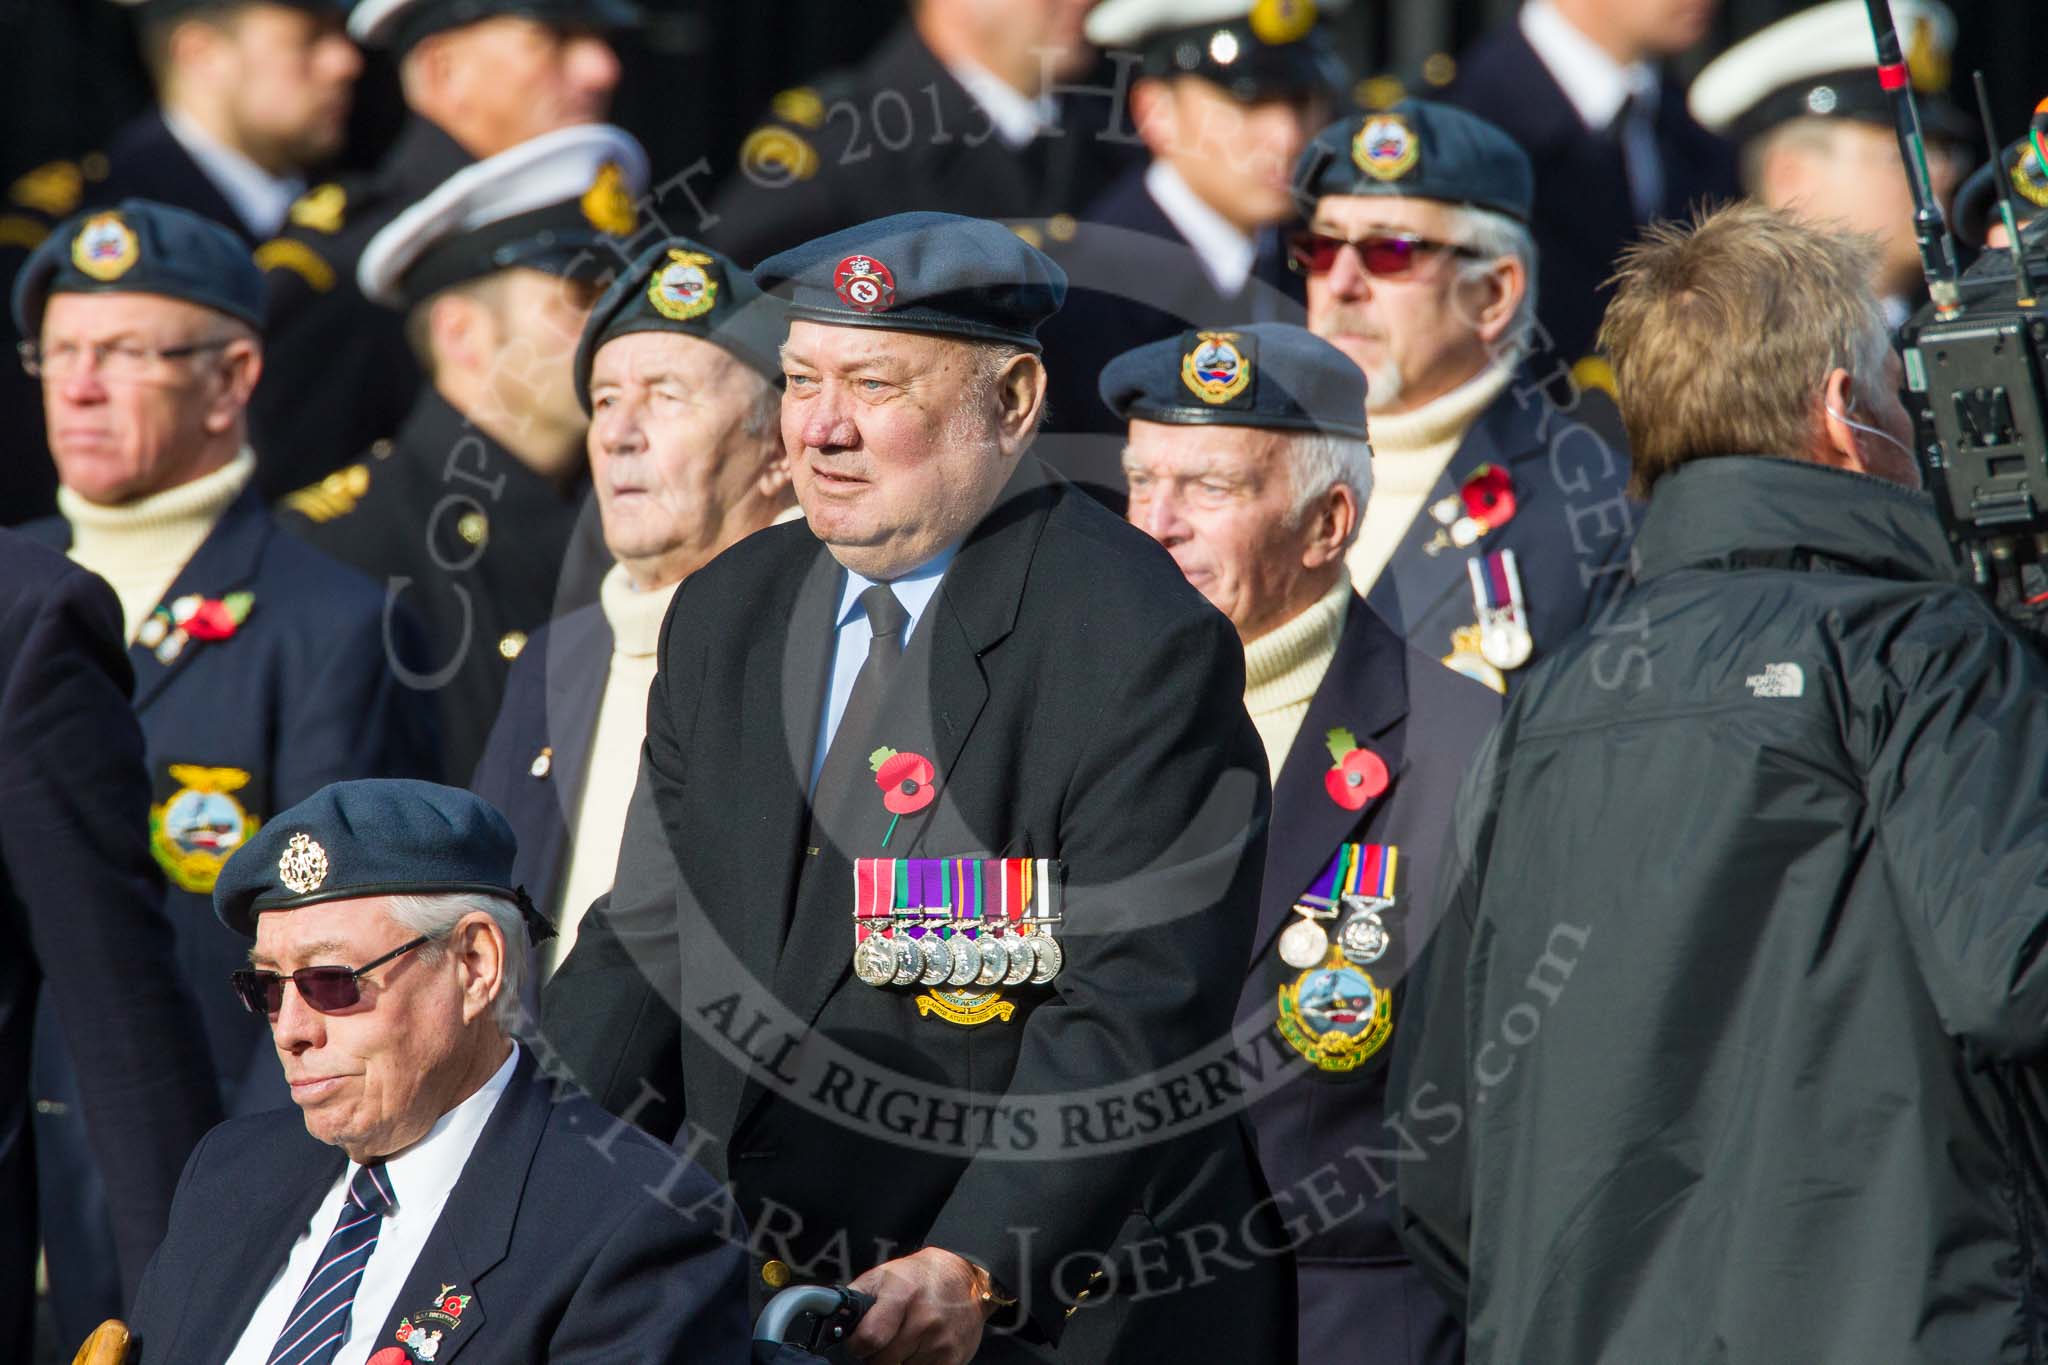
1385 256
326 989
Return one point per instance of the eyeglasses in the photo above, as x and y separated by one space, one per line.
1385 256
326 989
113 359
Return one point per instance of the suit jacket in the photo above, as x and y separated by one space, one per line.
550 709
898 133
146 161
80 906
575 1238
1571 531
1423 722
337 372
462 532
1078 701
1583 214
1134 279
299 696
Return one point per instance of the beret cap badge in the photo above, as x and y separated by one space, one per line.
302 867
105 248
864 283
684 288
1214 369
1386 148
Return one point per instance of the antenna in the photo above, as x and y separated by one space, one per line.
2005 208
1937 248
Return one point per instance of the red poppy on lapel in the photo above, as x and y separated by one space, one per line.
907 780
1358 774
1489 496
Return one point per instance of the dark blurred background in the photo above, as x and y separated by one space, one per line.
699 74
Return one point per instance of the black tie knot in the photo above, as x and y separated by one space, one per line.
886 619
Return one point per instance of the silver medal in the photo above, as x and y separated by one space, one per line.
874 960
938 961
909 961
1303 943
1051 957
995 961
1363 939
1023 959
966 961
1504 642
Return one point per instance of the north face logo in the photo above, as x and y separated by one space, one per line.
1778 680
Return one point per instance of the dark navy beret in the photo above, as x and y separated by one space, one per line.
140 247
680 286
1976 202
1269 374
921 272
1418 149
398 24
374 837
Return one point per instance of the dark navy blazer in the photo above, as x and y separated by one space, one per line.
574 1237
1583 214
80 913
1571 531
298 697
1363 1303
550 710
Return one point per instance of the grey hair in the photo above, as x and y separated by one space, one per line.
764 418
990 359
1496 237
436 916
1318 462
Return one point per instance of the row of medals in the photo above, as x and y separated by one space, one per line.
988 960
1363 938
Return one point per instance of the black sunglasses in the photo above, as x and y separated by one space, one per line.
1386 256
326 989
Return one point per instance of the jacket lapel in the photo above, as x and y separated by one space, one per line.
1365 692
226 561
577 668
786 675
226 1289
475 1226
1416 582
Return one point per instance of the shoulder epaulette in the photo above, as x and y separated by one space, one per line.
334 496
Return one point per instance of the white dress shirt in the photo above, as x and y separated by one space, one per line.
421 1177
914 591
1598 87
258 198
1016 117
1225 253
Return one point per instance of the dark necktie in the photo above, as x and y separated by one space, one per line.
846 811
886 619
319 1322
1636 129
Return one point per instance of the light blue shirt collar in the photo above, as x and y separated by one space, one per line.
851 637
914 590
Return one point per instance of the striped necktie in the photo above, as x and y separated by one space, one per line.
319 1321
